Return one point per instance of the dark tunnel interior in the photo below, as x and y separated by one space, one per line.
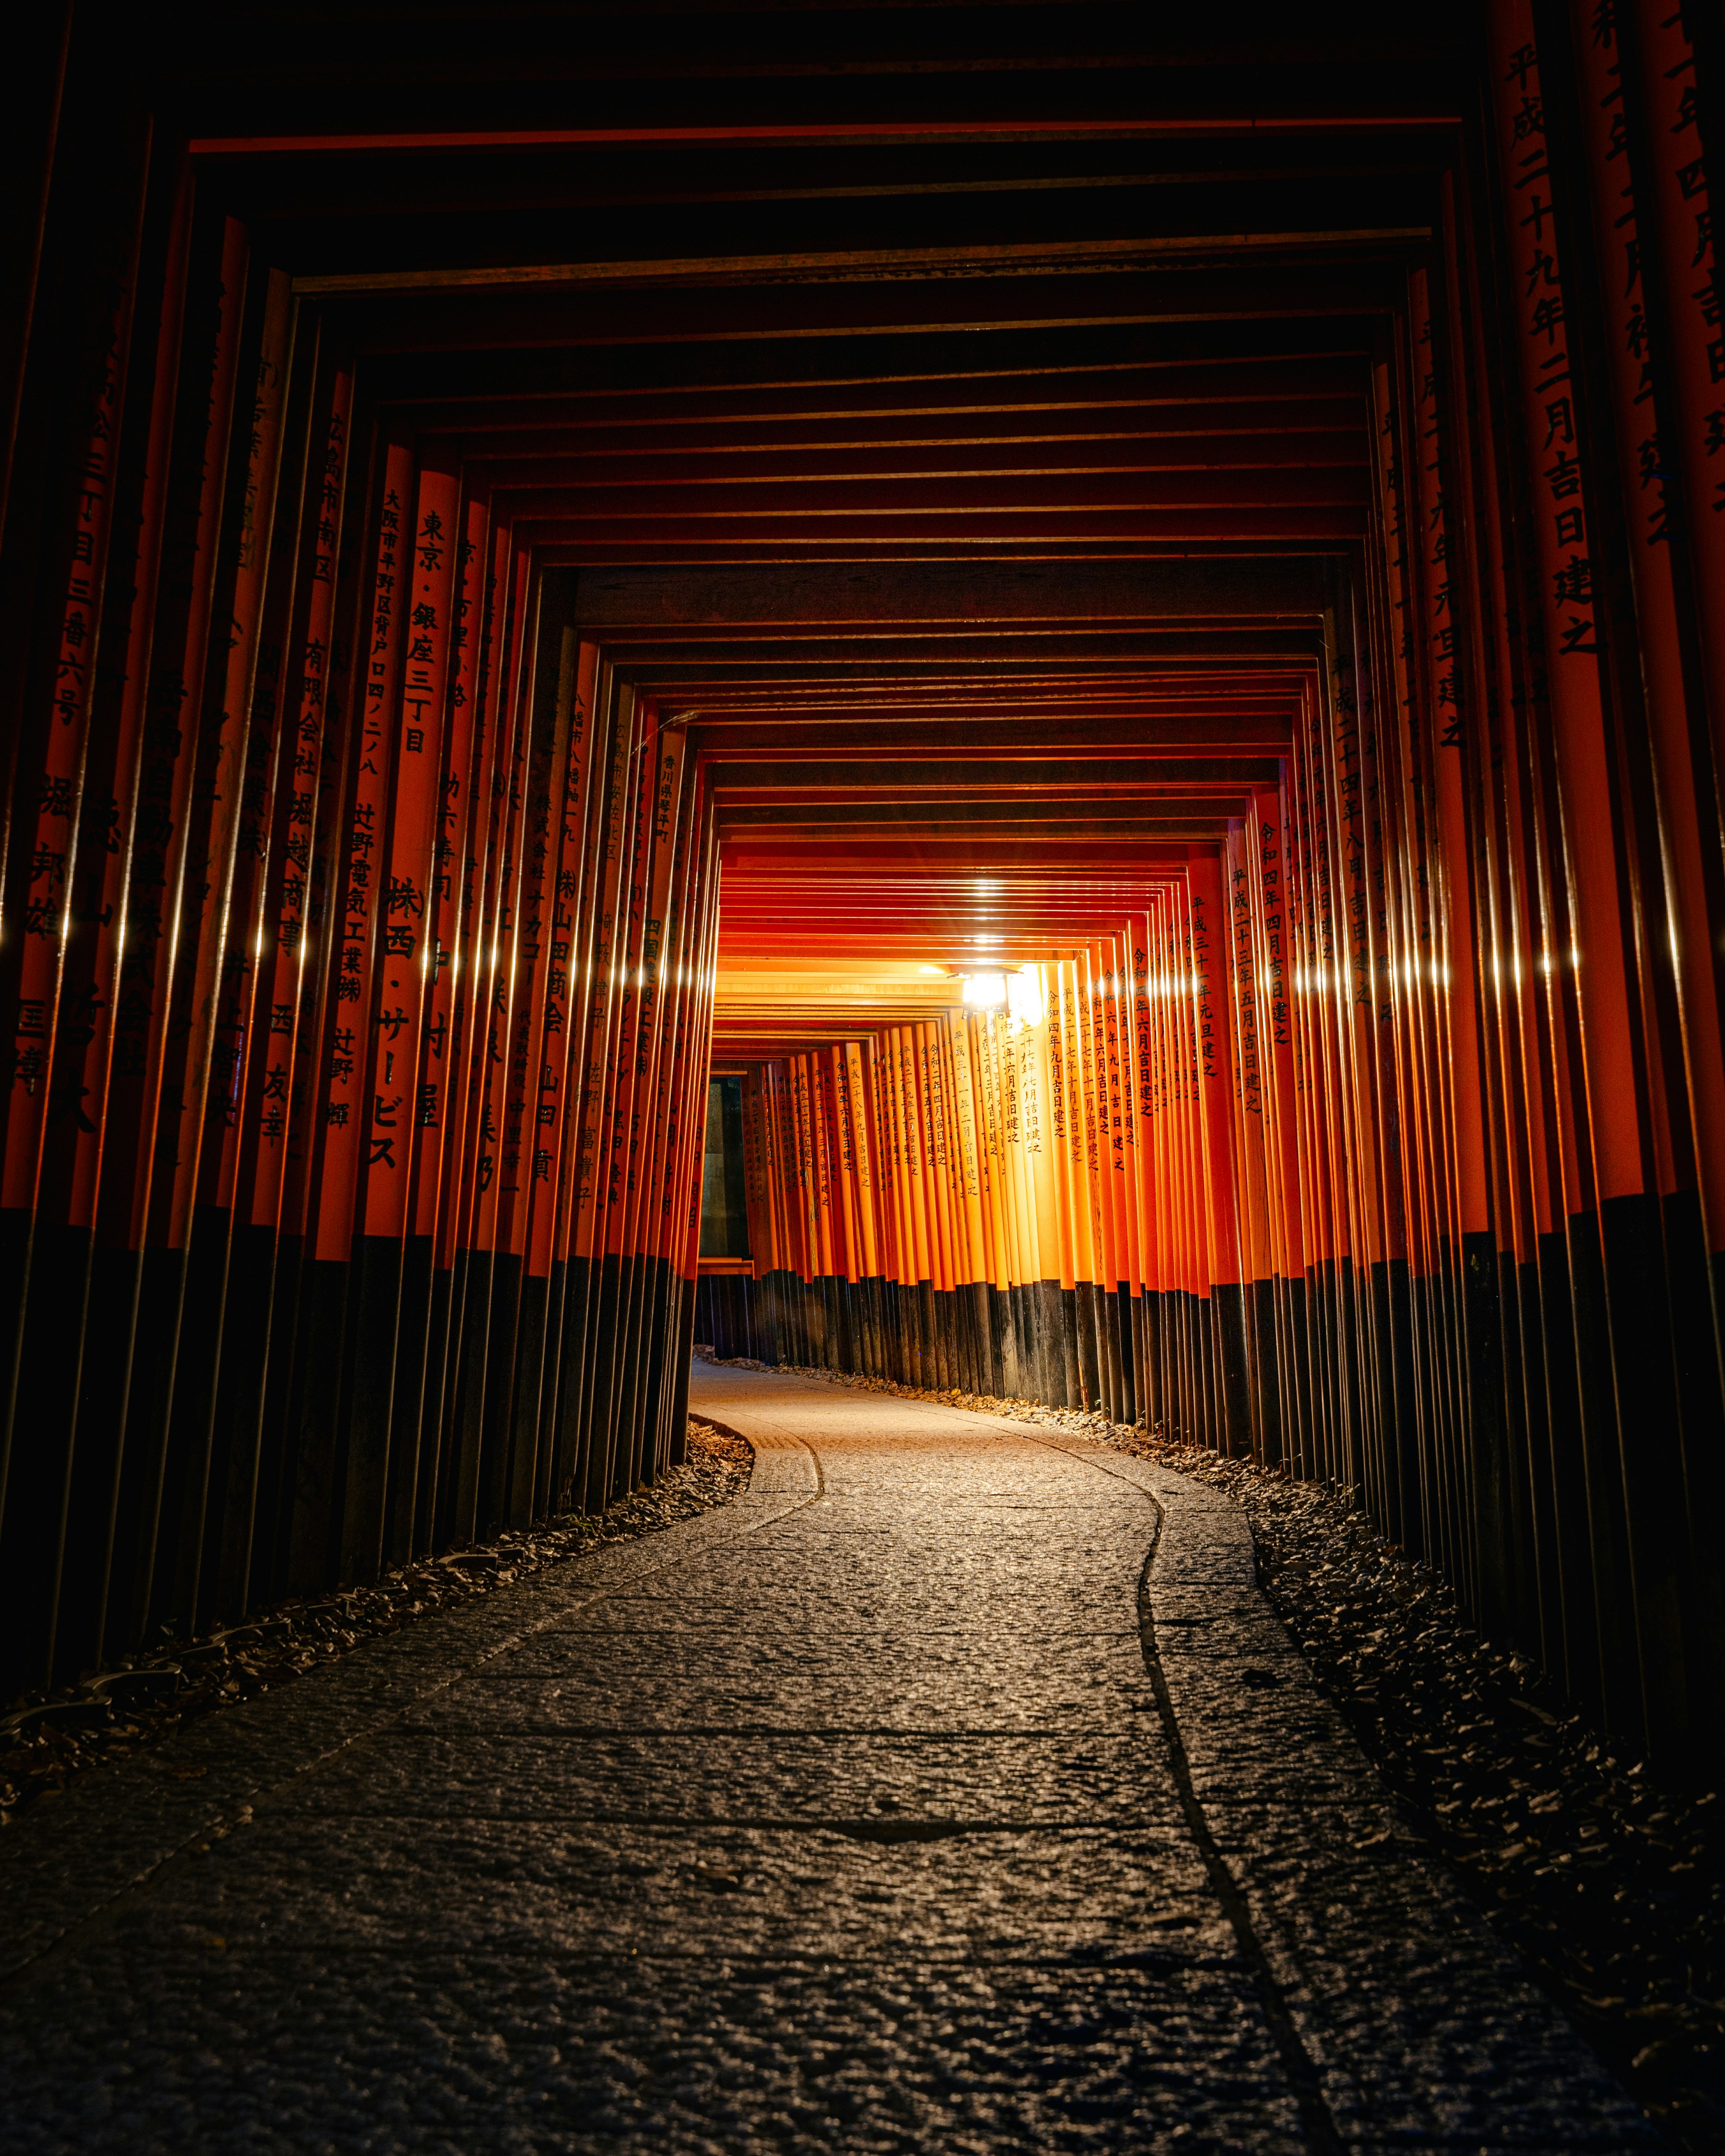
1085 643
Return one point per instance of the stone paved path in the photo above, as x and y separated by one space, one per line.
900 1806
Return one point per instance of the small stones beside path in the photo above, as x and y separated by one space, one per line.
46 1739
1610 1886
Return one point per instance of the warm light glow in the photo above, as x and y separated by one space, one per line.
985 991
934 972
1023 995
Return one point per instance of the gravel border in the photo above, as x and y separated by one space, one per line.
47 1738
1608 1884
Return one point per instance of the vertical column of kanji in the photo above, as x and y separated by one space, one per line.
1370 837
1527 1127
1066 1075
439 1099
1126 1038
1394 701
246 1052
873 1259
1330 1097
963 1150
1653 408
973 1290
1200 1194
224 967
1174 1008
567 985
866 1107
154 960
1587 969
1222 1258
1133 1053
1592 971
1393 687
1055 1113
957 1221
1129 1291
966 1257
1130 1294
1153 1148
858 1102
1021 1128
1689 384
1206 1420
313 827
785 1134
244 1040
917 1170
75 1158
819 1304
82 1065
845 1233
936 1194
1667 112
1284 1247
1110 1163
596 1052
606 719
1447 1146
690 1046
284 984
1168 998
1136 954
1411 1312
1088 1134
44 1268
773 1277
853 1184
215 977
1021 1250
469 1160
690 969
988 1117
356 915
653 1133
1354 1130
697 1070
802 1179
1002 1084
383 1447
755 1198
492 1298
904 1297
615 1278
1052 1261
42 828
879 1107
532 1105
1323 982
1251 1196
1167 975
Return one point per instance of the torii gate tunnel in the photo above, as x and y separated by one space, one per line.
1087 653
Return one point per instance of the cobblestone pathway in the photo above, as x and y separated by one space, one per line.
900 1805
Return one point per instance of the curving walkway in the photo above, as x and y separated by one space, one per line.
901 1805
